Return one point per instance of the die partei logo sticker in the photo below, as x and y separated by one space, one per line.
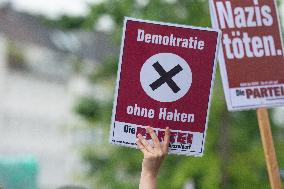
251 53
165 79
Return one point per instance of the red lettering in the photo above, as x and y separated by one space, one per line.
277 91
173 137
270 91
161 135
263 92
256 93
189 138
143 132
182 137
249 93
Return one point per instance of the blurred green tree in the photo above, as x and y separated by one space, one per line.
233 157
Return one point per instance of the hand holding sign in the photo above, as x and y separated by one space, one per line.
153 157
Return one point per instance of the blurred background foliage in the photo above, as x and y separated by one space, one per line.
233 157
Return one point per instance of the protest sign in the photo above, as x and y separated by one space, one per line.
251 54
252 64
165 79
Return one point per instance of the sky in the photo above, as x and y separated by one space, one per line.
53 8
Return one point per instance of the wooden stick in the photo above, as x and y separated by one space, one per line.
268 146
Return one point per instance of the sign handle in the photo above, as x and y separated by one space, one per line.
268 146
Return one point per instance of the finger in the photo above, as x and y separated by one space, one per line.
141 146
167 139
146 144
154 137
